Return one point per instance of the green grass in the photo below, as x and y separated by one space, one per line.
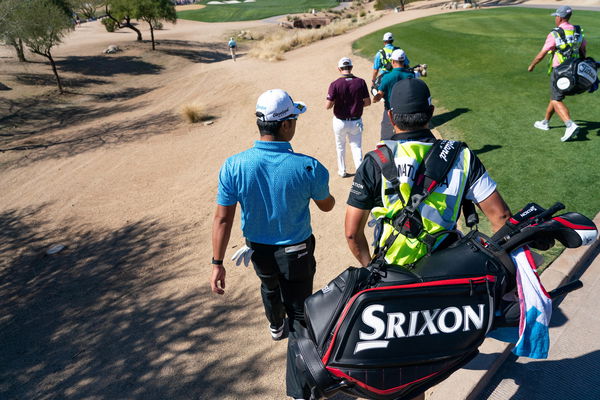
252 11
478 73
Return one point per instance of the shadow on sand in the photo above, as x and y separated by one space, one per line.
92 321
84 140
31 117
194 51
107 65
50 80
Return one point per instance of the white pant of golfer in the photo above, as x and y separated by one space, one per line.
353 131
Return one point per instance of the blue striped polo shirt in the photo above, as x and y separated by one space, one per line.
274 187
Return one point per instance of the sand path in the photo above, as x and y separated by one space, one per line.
126 311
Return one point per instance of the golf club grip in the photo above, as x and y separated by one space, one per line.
566 288
551 210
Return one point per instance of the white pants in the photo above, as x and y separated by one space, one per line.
353 130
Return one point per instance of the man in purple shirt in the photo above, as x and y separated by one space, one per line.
347 95
570 44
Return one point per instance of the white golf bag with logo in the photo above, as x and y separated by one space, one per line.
384 332
576 75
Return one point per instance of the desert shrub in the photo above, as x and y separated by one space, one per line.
386 4
158 25
193 113
273 46
109 24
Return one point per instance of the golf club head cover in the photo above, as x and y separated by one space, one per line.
518 221
571 229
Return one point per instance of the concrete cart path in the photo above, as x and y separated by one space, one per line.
573 347
571 370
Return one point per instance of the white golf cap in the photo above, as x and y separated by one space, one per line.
344 62
277 105
398 55
388 36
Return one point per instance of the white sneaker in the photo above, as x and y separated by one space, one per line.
278 333
570 131
542 125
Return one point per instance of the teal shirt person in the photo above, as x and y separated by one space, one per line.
390 79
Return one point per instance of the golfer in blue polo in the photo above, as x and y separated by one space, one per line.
274 187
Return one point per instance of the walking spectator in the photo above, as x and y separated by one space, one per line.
232 47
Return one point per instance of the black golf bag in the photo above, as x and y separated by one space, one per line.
576 75
386 332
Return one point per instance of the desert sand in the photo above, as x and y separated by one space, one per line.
113 173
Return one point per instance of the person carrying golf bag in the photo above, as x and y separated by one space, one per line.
566 45
463 177
429 296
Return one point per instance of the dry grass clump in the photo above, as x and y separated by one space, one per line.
193 113
273 46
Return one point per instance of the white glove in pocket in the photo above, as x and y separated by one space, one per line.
243 255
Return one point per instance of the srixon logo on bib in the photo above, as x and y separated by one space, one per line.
380 328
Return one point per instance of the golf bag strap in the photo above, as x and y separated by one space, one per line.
385 60
321 378
384 157
433 170
561 33
565 53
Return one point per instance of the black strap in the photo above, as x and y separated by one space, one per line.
433 170
384 157
568 52
384 57
385 60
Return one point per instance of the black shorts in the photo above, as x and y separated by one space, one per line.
554 93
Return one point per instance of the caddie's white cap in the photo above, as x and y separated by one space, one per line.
388 36
277 105
398 55
344 62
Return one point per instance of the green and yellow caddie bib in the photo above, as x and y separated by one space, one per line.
567 45
439 211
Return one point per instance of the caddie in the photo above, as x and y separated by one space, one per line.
382 62
410 112
274 187
563 42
